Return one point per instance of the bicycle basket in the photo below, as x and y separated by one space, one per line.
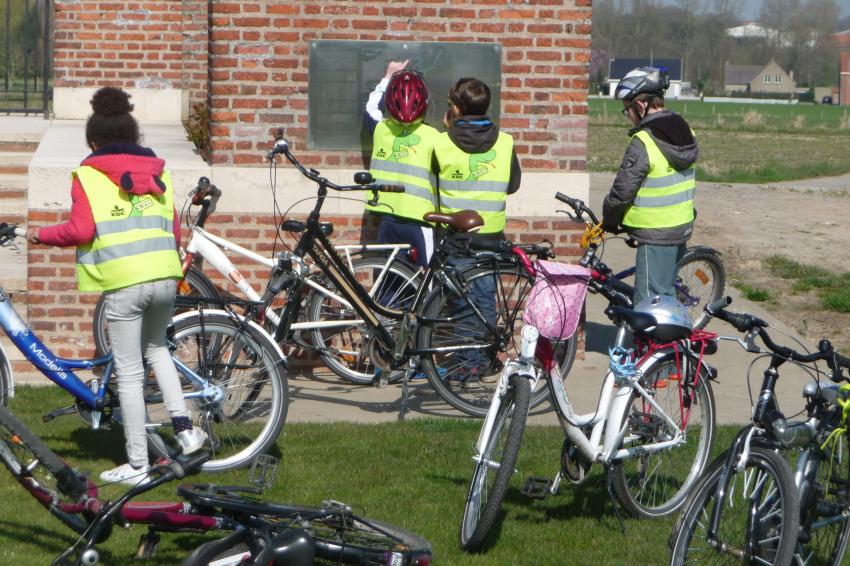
557 298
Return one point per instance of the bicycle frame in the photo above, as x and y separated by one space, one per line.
61 370
212 247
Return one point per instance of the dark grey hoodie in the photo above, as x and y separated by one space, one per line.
676 141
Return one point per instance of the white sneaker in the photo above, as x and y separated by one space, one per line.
127 474
191 440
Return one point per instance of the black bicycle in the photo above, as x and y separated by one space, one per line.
434 326
750 507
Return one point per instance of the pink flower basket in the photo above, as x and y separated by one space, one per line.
556 299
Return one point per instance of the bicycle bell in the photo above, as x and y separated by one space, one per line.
672 317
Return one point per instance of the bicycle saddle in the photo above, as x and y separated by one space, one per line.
463 221
643 323
297 226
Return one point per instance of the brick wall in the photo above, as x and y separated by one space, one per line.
260 58
251 57
145 44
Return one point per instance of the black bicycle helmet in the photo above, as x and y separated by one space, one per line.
650 80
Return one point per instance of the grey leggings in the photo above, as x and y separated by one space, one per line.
138 317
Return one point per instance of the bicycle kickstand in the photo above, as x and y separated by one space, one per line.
609 482
405 385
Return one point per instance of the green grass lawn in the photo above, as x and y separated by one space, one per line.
413 474
740 143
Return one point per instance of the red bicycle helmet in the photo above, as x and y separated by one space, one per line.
406 98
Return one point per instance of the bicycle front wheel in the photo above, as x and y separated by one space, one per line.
700 280
244 367
656 484
495 466
759 517
193 284
343 346
823 513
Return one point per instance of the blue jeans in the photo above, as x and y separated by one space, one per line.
482 293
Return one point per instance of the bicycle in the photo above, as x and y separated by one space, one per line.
439 324
379 261
233 374
749 506
655 400
335 533
700 275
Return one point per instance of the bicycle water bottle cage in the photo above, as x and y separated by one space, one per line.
621 364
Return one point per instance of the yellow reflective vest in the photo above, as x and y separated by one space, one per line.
476 181
401 155
134 238
666 197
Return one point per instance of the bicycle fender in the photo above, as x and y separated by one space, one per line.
706 249
251 323
9 377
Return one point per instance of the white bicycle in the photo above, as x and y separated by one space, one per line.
332 327
652 428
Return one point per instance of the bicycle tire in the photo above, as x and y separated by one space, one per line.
29 460
443 327
773 474
700 280
5 378
193 284
340 535
482 501
246 362
345 350
642 487
828 486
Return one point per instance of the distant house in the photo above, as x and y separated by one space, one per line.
617 69
843 41
764 79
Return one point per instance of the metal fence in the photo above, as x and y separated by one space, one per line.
25 57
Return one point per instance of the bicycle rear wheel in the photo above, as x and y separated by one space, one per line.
344 347
823 516
656 484
494 470
244 363
449 323
700 279
759 518
193 284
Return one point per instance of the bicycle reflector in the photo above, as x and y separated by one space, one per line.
593 234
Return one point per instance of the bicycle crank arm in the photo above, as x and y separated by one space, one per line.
61 412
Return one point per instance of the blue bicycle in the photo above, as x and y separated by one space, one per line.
233 375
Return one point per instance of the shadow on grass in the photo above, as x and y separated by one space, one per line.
53 542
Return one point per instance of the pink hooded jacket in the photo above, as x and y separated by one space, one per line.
137 172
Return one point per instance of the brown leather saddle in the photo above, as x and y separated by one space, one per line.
463 221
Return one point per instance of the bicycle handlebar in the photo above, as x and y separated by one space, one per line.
281 147
744 322
8 232
578 206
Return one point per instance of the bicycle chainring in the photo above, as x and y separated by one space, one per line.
379 357
573 466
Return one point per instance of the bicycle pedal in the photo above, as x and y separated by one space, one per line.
263 471
537 488
148 543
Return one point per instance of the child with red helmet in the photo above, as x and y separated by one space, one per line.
402 149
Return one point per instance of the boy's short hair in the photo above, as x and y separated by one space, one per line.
471 96
655 101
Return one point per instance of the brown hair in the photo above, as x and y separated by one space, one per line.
471 96
111 121
654 101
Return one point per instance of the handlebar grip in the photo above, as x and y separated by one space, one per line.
716 306
390 188
565 199
203 183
